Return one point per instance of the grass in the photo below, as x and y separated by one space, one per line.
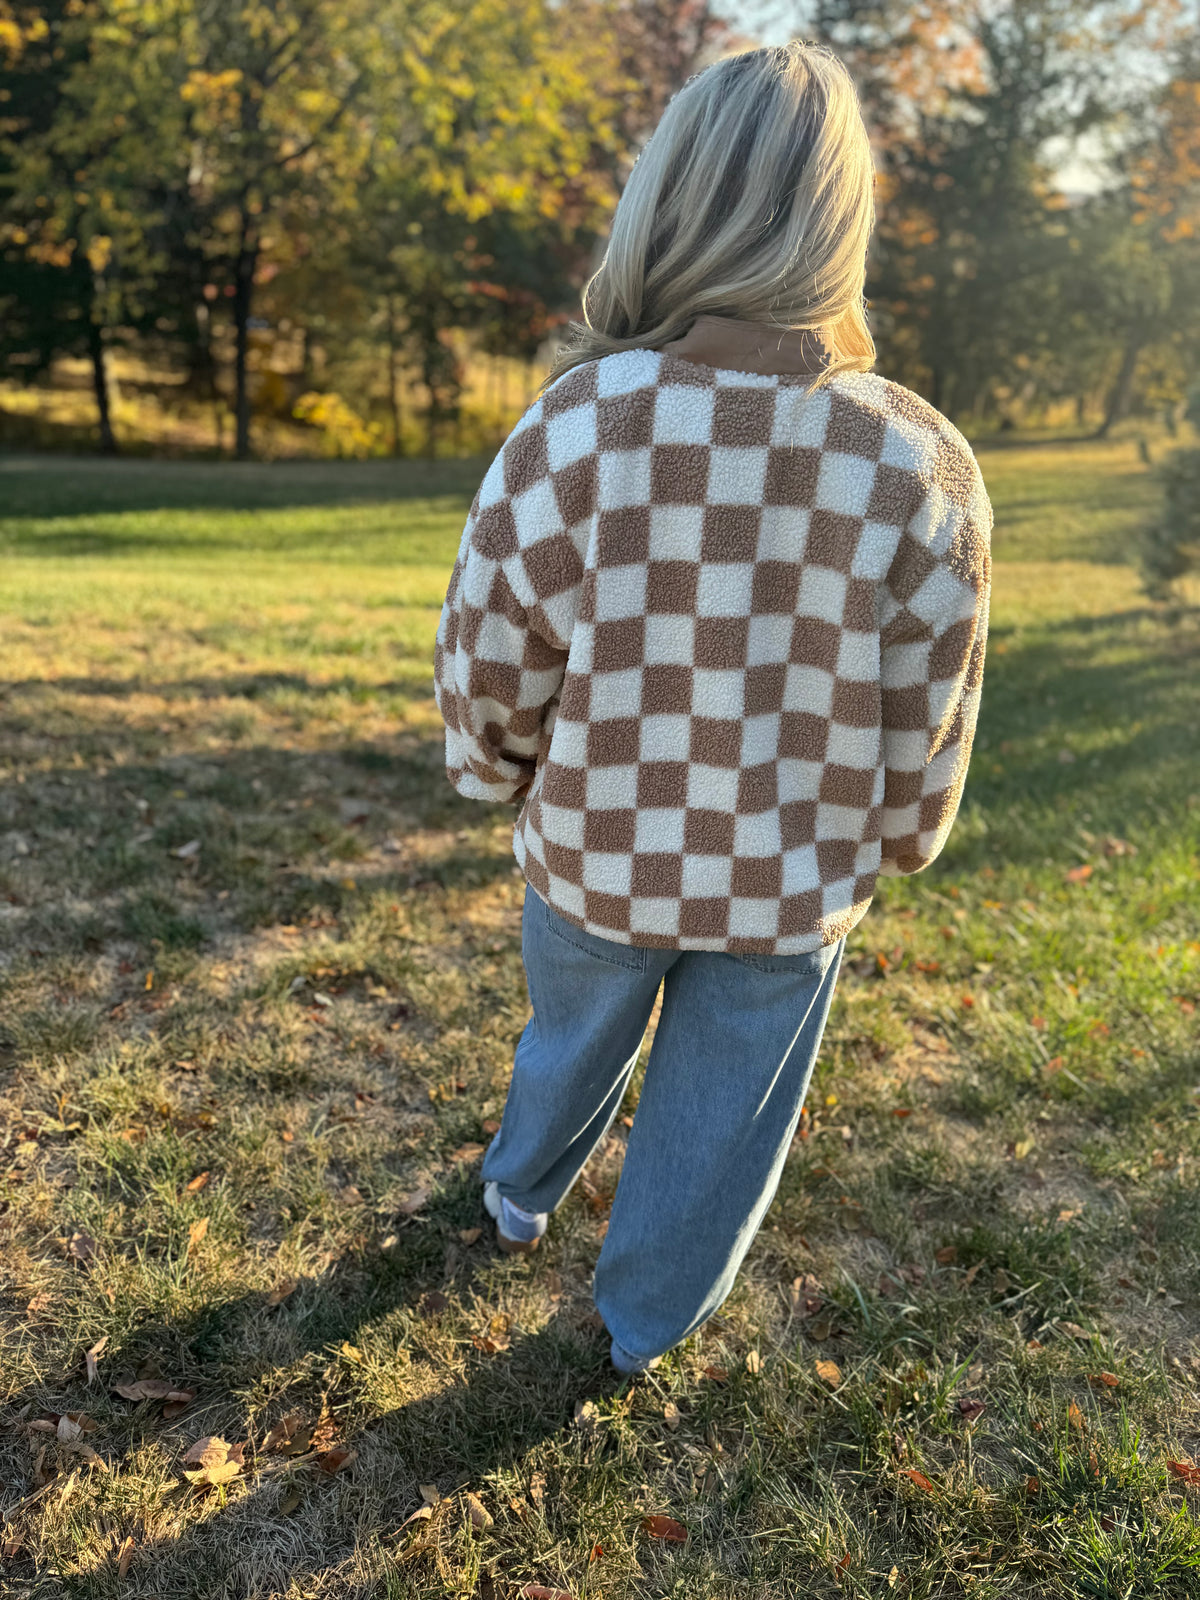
261 981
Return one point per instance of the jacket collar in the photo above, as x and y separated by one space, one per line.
741 346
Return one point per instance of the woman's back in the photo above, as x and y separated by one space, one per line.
757 610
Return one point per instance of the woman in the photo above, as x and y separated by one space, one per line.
717 623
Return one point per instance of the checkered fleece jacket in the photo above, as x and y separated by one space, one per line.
723 635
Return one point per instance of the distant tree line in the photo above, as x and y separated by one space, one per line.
386 174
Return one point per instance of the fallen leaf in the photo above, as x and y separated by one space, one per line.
919 1478
125 1556
282 1289
81 1448
587 1417
753 1362
1079 874
152 1389
1075 1330
91 1359
68 1430
470 1236
491 1126
491 1343
178 1404
665 1528
187 851
1075 1417
1033 1486
539 1591
215 1460
421 1514
1107 1380
81 1247
197 1183
39 1303
671 1415
843 1563
596 1552
11 1548
820 1329
466 1153
197 1231
282 1432
829 1372
971 1410
479 1514
335 1461
430 1493
413 1202
717 1374
1184 1470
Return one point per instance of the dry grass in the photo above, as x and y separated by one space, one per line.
996 1199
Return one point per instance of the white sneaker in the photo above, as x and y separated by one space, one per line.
517 1232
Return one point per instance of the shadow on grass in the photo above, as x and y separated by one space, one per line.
498 1408
49 487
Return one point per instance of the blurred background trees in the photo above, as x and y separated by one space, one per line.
371 219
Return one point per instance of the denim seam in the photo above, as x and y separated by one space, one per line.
778 963
587 950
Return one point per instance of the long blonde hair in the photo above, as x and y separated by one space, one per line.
754 198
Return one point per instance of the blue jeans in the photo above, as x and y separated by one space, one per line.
726 1079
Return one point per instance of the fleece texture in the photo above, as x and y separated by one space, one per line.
722 633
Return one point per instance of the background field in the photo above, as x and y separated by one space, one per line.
247 931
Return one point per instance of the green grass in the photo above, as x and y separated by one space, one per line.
998 1197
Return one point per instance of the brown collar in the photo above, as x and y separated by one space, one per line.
741 346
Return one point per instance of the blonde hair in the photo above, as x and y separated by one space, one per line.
754 198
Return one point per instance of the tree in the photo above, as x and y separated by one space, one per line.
56 242
494 144
981 295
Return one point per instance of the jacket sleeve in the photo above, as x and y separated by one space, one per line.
506 625
932 636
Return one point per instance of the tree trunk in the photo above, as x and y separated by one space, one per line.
393 388
1122 390
243 299
99 357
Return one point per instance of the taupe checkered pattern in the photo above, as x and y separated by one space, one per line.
724 635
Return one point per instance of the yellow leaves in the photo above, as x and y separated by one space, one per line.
829 1372
210 87
14 36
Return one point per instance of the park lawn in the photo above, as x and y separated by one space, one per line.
260 983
